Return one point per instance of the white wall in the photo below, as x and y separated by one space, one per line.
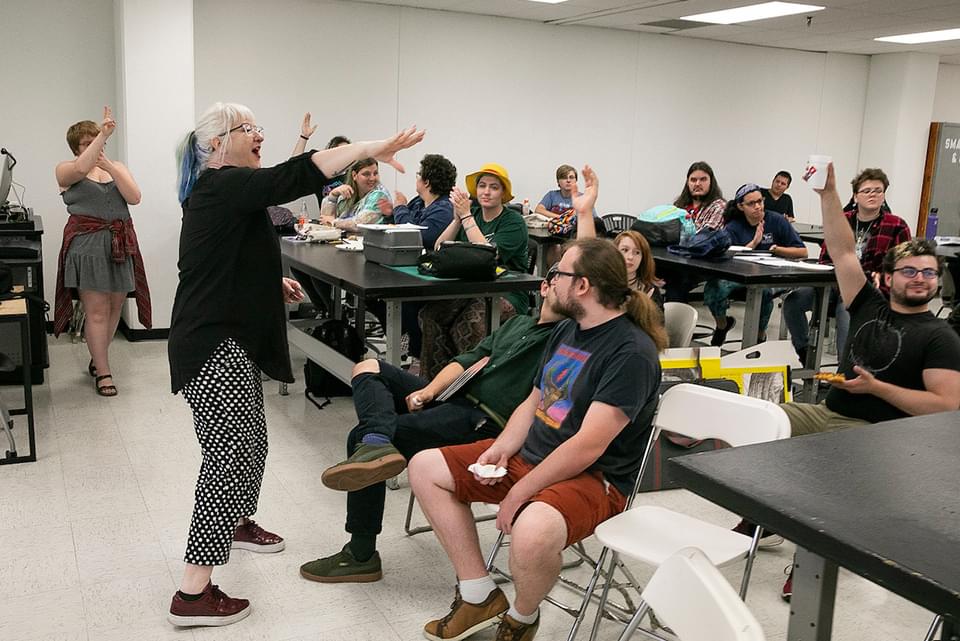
58 67
946 105
638 107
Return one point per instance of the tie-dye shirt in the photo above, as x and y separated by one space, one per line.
373 207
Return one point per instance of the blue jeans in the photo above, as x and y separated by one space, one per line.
381 408
797 303
716 296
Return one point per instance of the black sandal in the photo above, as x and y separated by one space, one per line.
91 368
104 390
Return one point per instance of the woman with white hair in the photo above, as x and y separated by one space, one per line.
228 326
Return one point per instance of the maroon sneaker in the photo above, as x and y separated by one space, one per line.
787 590
251 536
213 608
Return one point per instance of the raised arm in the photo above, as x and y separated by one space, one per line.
838 238
333 161
306 130
72 171
584 203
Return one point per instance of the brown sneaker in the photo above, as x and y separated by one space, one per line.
466 618
213 608
251 536
512 630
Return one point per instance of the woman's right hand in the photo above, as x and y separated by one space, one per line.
461 203
385 150
343 191
108 124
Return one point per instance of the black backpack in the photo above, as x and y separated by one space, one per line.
320 383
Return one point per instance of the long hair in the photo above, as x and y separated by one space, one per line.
684 200
196 151
351 180
601 263
647 271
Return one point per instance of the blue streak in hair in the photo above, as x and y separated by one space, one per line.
189 167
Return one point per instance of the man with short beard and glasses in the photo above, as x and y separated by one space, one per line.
899 360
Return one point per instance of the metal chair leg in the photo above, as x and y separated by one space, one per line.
748 568
934 626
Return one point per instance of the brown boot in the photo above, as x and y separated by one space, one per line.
466 618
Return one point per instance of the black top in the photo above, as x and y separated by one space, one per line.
230 271
615 363
782 205
896 348
881 500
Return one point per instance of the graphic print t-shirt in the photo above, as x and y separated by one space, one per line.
614 363
896 348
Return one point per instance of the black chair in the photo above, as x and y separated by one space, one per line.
614 223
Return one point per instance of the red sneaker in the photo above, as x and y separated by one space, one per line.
787 590
251 536
213 608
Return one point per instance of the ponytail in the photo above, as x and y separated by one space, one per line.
188 161
646 315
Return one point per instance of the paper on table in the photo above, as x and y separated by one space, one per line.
389 229
773 261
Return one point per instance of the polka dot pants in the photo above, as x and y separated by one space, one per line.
227 403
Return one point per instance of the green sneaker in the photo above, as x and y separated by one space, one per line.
369 464
342 567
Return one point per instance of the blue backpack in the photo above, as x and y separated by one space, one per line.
709 244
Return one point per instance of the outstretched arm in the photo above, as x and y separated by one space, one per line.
838 238
333 161
72 171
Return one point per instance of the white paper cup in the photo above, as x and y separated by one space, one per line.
815 173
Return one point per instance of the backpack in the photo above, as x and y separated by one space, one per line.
709 244
342 338
664 225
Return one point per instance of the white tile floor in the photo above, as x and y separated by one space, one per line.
91 536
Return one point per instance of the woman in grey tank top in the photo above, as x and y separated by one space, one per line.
95 187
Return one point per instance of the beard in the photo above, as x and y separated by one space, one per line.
917 300
570 309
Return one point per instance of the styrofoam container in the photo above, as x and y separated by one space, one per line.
392 238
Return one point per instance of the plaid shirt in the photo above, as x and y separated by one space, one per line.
883 233
709 216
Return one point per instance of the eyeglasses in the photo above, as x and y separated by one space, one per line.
929 273
753 203
871 192
554 271
247 129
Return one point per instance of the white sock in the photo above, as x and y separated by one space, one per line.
523 618
477 590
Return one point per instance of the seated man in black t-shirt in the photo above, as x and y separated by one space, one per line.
568 455
776 199
900 360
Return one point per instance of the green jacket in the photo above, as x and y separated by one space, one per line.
516 352
509 233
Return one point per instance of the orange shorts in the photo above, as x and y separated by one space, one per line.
585 501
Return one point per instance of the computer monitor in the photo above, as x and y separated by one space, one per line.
7 161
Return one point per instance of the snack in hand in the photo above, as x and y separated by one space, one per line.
830 377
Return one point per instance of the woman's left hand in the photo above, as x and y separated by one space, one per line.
105 163
305 129
461 203
292 291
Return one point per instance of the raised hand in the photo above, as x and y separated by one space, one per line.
109 124
831 184
385 150
461 202
584 202
305 129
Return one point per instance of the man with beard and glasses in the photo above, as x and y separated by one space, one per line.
899 360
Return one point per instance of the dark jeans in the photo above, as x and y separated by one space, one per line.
381 407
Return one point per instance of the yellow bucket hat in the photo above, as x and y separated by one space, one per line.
493 169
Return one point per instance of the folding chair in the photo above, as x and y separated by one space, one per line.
653 534
680 320
695 600
616 222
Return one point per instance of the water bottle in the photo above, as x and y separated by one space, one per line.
932 221
302 221
526 206
687 230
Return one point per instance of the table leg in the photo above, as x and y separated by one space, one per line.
949 631
392 332
818 325
27 368
494 315
336 305
814 594
751 317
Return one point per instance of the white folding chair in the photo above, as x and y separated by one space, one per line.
653 534
680 320
694 599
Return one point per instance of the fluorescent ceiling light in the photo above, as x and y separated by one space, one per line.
549 1
753 12
923 36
